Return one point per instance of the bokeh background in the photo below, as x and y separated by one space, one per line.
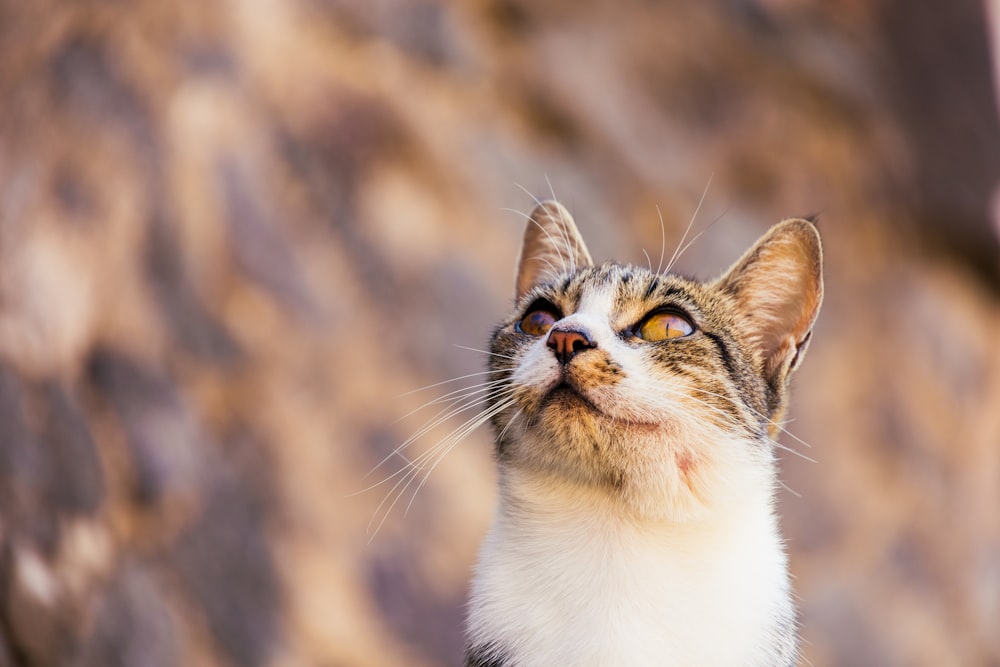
235 235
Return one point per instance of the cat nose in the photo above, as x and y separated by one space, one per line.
566 344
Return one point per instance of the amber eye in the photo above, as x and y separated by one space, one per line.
663 326
536 322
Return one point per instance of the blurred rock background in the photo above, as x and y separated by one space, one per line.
233 236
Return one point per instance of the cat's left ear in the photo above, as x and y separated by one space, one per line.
778 286
552 244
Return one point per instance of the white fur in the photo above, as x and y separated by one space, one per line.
565 579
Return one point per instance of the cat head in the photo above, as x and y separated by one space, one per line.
657 390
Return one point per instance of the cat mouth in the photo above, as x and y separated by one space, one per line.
565 393
564 397
564 388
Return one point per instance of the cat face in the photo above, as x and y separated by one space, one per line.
654 388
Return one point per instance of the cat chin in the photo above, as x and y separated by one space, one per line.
648 471
564 400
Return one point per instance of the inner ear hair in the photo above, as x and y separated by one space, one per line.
552 245
778 287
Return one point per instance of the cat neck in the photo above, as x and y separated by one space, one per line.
545 517
565 577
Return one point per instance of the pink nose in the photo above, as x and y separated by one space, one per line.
567 344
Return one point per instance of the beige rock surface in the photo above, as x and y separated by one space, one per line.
234 237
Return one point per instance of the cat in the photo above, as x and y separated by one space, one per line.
635 414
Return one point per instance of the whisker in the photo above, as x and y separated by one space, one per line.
663 242
492 354
454 396
552 241
474 389
758 414
444 415
440 450
453 442
408 479
536 200
435 452
552 269
715 409
795 452
677 251
517 414
552 191
788 488
699 235
563 231
649 262
438 384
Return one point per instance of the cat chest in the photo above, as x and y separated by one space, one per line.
614 602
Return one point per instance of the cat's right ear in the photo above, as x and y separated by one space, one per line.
552 245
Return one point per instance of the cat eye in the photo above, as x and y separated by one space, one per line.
537 322
663 326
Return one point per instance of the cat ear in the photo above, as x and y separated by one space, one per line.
778 286
552 244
